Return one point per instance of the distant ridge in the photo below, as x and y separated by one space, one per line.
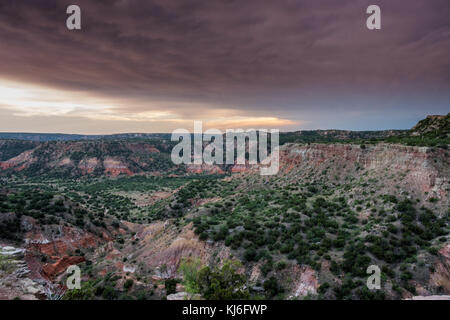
43 137
432 126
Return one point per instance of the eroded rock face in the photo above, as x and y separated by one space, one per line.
423 171
59 249
243 168
74 158
69 240
158 249
162 247
11 251
443 297
15 281
441 276
115 167
87 166
19 162
204 168
60 266
304 281
183 296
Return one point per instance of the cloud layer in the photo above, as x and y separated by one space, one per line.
291 63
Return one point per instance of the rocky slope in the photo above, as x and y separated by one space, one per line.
433 124
422 172
78 158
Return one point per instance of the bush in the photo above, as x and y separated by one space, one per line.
281 265
224 283
109 293
214 283
266 268
433 250
272 287
170 285
250 254
128 284
324 287
190 268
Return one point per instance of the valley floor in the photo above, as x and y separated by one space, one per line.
309 232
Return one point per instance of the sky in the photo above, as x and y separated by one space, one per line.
158 65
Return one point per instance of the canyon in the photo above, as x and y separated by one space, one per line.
122 212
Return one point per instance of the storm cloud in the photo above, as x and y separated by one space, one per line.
302 63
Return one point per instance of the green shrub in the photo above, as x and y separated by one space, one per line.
128 284
272 287
170 285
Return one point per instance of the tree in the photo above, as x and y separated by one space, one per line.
190 268
215 283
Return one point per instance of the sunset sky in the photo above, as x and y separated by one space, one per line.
157 65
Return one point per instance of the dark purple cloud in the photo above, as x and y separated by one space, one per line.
297 59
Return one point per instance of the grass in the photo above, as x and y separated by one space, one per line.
6 264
